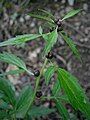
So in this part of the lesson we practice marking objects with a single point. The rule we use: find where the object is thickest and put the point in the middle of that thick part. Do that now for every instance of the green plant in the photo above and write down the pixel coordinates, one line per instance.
(12, 106)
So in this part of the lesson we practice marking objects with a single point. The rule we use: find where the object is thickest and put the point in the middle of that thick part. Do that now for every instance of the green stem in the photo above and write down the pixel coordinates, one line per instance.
(37, 84)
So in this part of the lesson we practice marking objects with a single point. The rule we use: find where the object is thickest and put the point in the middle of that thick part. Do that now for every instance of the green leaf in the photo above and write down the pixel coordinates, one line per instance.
(56, 88)
(40, 111)
(8, 90)
(71, 44)
(12, 59)
(47, 13)
(50, 39)
(23, 102)
(74, 92)
(12, 72)
(1, 95)
(56, 92)
(19, 39)
(48, 74)
(3, 115)
(62, 110)
(71, 14)
(41, 15)
(40, 30)
(4, 105)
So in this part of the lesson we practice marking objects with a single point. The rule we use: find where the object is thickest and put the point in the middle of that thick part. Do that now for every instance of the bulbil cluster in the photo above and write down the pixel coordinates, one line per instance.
(58, 22)
(49, 55)
(36, 73)
(38, 94)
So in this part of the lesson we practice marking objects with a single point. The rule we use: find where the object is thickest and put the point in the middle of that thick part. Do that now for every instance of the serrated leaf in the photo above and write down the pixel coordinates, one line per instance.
(56, 92)
(74, 92)
(71, 44)
(62, 110)
(41, 15)
(23, 102)
(40, 111)
(56, 88)
(49, 25)
(12, 72)
(50, 39)
(71, 14)
(12, 59)
(19, 39)
(8, 90)
(48, 74)
(47, 13)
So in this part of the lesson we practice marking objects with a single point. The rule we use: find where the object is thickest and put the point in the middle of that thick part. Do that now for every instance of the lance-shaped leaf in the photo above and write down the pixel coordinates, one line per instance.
(39, 111)
(41, 14)
(24, 101)
(8, 91)
(50, 39)
(71, 14)
(56, 88)
(62, 110)
(19, 39)
(48, 74)
(12, 72)
(74, 92)
(56, 92)
(71, 44)
(47, 13)
(12, 59)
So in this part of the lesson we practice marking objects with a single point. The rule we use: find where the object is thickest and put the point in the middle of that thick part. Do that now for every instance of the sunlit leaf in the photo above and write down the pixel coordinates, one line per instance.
(71, 44)
(19, 39)
(48, 74)
(12, 59)
(74, 92)
(23, 102)
(40, 111)
(8, 90)
(50, 39)
(71, 14)
(40, 30)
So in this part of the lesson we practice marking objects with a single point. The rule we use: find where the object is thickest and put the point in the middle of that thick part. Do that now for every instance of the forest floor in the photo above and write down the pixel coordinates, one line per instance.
(15, 21)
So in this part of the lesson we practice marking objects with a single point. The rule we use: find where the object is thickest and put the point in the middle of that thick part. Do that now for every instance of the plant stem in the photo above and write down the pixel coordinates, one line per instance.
(37, 84)
(41, 72)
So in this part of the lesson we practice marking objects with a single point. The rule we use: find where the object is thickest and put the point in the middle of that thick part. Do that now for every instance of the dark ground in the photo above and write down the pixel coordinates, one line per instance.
(15, 21)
